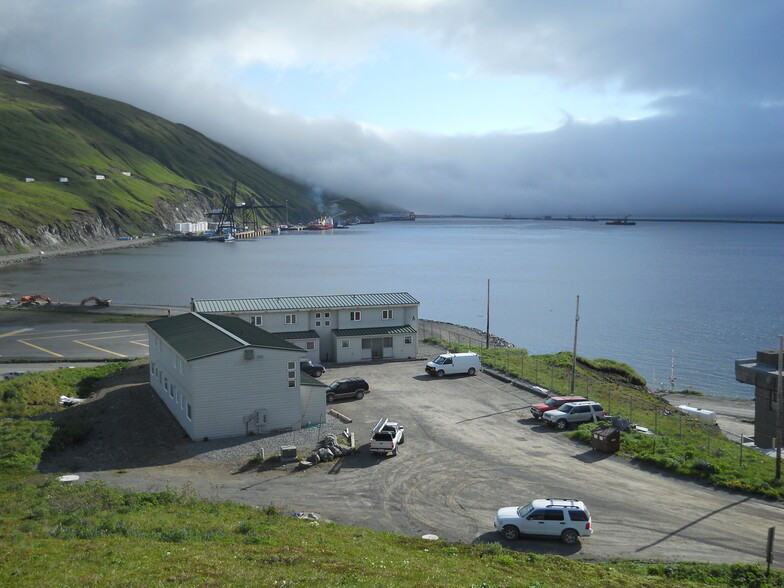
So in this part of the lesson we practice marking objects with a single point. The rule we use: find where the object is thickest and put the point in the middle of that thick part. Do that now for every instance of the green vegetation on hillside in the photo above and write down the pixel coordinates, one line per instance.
(48, 132)
(88, 533)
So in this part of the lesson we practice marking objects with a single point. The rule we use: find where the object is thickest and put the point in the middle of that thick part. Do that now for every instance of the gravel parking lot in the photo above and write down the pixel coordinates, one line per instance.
(471, 447)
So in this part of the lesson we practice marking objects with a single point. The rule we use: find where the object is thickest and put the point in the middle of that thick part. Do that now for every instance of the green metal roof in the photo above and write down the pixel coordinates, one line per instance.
(308, 380)
(305, 302)
(195, 335)
(405, 329)
(298, 335)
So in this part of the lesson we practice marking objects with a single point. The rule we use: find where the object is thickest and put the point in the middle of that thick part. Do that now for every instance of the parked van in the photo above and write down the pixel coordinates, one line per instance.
(454, 363)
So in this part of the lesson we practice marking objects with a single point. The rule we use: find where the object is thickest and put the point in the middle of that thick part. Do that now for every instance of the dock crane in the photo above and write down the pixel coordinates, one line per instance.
(232, 214)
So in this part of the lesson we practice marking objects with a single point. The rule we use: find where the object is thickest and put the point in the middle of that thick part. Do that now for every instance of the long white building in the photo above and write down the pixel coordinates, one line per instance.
(342, 328)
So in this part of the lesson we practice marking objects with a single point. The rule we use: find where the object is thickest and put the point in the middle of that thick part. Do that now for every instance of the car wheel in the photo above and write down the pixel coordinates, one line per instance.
(471, 371)
(569, 537)
(561, 425)
(317, 374)
(330, 398)
(440, 373)
(402, 439)
(394, 451)
(359, 395)
(511, 532)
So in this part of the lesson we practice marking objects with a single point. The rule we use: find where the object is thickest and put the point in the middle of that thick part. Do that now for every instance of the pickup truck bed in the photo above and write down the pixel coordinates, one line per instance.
(386, 437)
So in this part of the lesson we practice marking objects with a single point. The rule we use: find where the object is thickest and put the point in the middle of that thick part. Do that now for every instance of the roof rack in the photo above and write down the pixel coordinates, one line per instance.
(572, 500)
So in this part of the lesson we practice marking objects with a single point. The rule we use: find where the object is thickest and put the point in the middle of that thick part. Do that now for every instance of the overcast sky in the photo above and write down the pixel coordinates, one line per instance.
(666, 107)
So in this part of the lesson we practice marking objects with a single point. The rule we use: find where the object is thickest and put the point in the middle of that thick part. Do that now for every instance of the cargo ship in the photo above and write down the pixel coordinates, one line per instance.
(322, 223)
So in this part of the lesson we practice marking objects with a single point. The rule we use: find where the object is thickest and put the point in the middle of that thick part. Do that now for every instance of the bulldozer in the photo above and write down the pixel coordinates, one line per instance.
(98, 301)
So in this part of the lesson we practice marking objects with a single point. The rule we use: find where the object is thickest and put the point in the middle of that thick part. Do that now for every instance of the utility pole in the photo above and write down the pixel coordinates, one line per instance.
(574, 349)
(779, 408)
(487, 328)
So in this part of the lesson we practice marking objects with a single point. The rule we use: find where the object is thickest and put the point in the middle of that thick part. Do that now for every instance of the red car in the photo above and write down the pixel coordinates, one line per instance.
(553, 403)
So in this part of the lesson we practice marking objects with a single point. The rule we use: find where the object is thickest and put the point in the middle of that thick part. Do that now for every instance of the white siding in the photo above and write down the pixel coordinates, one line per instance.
(226, 390)
(231, 389)
(168, 369)
(313, 405)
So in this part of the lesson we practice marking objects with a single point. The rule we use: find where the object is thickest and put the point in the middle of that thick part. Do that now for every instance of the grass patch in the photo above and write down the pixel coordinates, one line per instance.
(76, 532)
(39, 392)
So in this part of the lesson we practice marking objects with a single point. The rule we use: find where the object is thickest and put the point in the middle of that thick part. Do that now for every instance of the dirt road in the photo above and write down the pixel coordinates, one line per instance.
(471, 447)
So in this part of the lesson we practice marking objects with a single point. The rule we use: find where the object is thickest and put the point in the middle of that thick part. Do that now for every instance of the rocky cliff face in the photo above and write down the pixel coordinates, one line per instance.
(88, 228)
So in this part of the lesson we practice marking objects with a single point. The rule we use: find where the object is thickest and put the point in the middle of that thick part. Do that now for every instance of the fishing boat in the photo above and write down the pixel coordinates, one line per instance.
(322, 223)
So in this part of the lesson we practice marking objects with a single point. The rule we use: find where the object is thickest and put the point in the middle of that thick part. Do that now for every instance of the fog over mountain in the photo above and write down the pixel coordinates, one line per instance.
(451, 107)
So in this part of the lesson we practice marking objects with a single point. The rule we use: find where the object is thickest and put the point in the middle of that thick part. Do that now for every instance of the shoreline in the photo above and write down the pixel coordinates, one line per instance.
(77, 250)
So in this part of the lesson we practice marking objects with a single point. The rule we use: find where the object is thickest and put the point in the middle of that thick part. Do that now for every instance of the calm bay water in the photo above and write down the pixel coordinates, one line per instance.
(703, 293)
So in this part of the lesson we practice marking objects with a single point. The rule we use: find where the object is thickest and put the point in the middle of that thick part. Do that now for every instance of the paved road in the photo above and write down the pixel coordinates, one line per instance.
(72, 341)
(471, 447)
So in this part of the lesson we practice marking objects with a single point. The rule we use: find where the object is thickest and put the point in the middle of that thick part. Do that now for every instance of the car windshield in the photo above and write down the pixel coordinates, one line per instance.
(334, 385)
(439, 360)
(551, 402)
(524, 511)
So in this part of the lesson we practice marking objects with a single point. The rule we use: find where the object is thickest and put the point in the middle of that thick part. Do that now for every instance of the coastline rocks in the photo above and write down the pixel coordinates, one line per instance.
(495, 341)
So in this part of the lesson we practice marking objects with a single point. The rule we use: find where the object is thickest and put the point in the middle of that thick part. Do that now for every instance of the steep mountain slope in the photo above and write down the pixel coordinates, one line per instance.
(155, 172)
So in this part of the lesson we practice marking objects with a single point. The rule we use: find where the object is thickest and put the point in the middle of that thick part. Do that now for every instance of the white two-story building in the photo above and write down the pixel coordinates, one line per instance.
(341, 328)
(223, 377)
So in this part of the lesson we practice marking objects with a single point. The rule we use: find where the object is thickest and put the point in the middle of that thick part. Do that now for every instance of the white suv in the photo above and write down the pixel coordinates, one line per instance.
(574, 412)
(566, 518)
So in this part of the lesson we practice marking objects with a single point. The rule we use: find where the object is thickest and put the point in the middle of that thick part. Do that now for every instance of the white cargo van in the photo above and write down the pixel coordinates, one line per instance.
(454, 363)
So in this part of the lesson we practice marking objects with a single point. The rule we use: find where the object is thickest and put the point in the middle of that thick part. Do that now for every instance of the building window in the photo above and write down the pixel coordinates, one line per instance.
(310, 345)
(386, 314)
(318, 315)
(291, 319)
(326, 315)
(326, 323)
(190, 416)
(356, 315)
(292, 374)
(257, 320)
(318, 323)
(345, 343)
(407, 340)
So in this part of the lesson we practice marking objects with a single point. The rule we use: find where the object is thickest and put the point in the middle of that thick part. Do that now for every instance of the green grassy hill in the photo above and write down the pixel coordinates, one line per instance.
(48, 132)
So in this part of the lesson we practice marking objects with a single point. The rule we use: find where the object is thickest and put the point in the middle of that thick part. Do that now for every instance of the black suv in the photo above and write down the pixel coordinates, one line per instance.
(347, 388)
(312, 369)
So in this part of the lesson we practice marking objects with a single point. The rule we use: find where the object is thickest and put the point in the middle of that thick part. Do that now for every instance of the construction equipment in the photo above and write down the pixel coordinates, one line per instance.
(34, 300)
(98, 301)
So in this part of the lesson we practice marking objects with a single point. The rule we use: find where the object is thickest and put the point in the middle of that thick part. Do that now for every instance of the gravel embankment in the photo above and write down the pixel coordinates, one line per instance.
(305, 440)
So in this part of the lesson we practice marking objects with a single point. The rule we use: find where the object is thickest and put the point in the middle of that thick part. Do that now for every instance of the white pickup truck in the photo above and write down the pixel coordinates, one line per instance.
(386, 437)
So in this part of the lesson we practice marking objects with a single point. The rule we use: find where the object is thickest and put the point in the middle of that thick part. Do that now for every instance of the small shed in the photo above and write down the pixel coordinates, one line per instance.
(606, 438)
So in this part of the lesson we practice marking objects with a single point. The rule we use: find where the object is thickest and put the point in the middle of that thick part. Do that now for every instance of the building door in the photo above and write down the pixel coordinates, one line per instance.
(377, 348)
